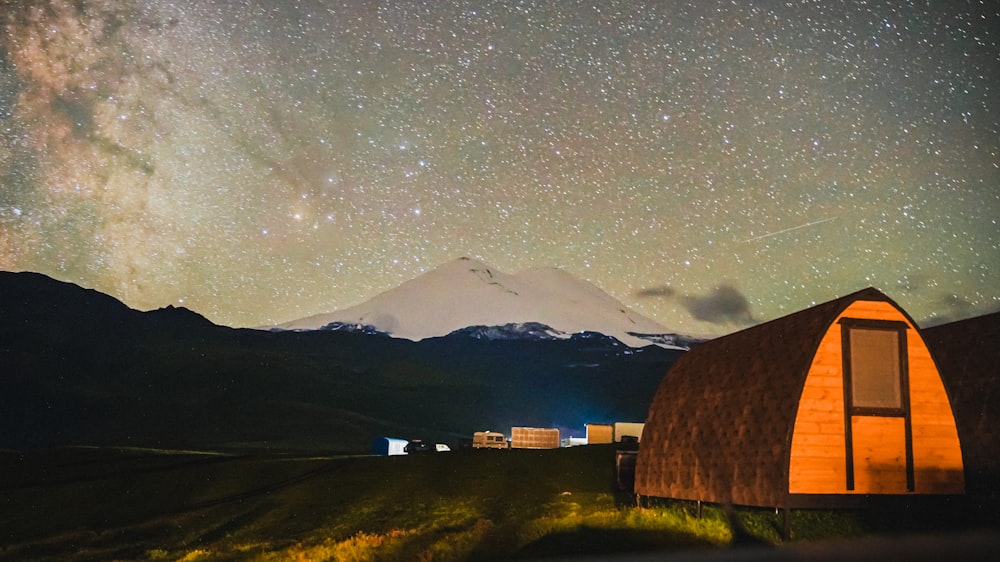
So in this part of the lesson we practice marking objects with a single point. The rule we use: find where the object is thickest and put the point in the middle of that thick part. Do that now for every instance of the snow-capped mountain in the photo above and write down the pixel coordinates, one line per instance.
(467, 293)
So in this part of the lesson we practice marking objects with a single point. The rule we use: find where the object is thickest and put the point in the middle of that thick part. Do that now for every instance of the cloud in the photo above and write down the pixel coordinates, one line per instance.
(952, 308)
(911, 283)
(661, 291)
(724, 305)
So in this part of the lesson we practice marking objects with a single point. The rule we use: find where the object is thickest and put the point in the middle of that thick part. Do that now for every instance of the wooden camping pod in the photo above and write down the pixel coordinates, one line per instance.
(967, 353)
(779, 415)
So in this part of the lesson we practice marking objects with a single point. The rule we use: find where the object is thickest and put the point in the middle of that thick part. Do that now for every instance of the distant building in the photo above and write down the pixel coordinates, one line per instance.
(534, 438)
(827, 406)
(598, 433)
(626, 430)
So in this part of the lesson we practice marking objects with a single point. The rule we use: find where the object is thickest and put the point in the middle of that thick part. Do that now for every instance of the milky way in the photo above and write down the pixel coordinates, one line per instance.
(711, 164)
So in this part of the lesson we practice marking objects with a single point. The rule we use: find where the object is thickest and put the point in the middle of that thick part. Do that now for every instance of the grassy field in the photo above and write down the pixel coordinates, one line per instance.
(116, 504)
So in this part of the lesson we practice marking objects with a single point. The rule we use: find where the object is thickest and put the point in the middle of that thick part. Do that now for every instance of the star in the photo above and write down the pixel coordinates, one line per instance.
(218, 153)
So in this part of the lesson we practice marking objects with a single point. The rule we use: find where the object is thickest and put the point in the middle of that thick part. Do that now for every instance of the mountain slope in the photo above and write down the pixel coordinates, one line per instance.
(80, 368)
(466, 292)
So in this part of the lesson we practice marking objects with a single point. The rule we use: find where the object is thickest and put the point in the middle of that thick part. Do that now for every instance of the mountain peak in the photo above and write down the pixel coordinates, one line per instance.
(466, 292)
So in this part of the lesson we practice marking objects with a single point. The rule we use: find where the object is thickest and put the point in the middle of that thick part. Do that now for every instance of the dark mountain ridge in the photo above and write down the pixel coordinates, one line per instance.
(78, 367)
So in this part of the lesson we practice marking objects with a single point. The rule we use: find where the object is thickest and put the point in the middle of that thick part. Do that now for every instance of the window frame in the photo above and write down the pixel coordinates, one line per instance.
(901, 368)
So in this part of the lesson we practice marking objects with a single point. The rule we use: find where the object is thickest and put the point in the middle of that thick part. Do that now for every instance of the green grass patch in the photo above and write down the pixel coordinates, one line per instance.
(476, 505)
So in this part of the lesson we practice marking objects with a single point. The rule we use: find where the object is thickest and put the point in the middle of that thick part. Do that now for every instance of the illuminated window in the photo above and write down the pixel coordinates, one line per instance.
(876, 380)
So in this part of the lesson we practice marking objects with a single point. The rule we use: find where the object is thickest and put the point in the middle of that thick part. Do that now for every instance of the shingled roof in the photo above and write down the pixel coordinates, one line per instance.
(720, 425)
(967, 353)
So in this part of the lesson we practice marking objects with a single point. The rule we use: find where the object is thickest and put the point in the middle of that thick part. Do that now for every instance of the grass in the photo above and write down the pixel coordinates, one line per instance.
(477, 505)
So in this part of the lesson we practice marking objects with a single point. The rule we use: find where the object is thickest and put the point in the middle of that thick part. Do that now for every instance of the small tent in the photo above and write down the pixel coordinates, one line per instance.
(819, 408)
(968, 354)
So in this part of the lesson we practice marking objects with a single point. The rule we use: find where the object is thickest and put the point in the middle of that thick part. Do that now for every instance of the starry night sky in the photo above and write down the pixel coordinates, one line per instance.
(710, 164)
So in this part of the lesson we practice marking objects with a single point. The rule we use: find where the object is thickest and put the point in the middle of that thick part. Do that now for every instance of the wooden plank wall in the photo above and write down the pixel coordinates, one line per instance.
(817, 462)
(879, 455)
(600, 433)
(534, 438)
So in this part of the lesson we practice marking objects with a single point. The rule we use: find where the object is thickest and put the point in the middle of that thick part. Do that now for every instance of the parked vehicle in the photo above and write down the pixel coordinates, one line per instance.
(441, 448)
(417, 446)
(389, 446)
(489, 440)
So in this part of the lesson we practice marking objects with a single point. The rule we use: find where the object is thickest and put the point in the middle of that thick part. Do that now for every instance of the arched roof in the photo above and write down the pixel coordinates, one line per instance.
(967, 353)
(719, 426)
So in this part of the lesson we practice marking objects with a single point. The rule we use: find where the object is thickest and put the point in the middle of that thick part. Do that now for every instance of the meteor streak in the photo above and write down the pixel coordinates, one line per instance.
(777, 232)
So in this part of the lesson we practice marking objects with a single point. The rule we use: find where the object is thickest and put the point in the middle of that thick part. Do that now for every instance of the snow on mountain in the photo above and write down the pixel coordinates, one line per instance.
(466, 292)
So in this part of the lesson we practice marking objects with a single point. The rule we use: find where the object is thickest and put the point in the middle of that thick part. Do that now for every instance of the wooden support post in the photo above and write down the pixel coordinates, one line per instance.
(698, 510)
(786, 531)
